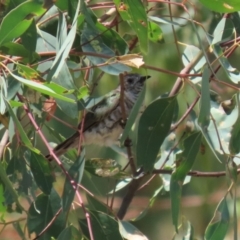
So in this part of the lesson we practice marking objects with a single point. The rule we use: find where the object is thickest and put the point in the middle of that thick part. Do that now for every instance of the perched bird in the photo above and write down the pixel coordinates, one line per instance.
(102, 122)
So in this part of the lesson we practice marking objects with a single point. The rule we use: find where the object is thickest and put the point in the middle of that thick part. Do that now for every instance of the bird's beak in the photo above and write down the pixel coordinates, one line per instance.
(144, 78)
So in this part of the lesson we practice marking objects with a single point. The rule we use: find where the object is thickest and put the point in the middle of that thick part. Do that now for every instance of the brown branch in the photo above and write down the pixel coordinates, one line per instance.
(195, 173)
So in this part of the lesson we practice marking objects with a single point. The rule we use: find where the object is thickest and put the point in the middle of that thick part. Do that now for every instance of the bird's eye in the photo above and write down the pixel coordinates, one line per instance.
(130, 80)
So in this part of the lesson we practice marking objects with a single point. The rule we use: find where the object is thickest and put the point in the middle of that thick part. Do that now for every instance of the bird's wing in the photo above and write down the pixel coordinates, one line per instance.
(102, 109)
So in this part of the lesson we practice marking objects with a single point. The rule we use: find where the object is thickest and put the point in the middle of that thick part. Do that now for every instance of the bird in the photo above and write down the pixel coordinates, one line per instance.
(103, 122)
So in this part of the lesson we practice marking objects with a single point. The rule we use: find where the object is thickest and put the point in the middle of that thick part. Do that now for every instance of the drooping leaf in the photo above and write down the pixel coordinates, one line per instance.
(70, 233)
(132, 116)
(191, 147)
(41, 171)
(129, 232)
(154, 126)
(65, 49)
(76, 172)
(50, 89)
(44, 209)
(22, 133)
(103, 226)
(217, 228)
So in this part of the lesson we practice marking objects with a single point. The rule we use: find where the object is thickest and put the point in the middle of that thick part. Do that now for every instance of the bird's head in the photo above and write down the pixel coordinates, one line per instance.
(134, 83)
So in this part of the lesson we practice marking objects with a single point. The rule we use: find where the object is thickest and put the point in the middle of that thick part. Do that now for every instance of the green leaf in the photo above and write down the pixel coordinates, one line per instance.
(41, 213)
(185, 231)
(223, 31)
(76, 172)
(2, 200)
(21, 131)
(97, 205)
(41, 171)
(191, 147)
(217, 228)
(204, 115)
(61, 31)
(133, 115)
(134, 13)
(222, 6)
(155, 33)
(234, 143)
(70, 233)
(129, 232)
(191, 53)
(63, 53)
(91, 41)
(232, 73)
(8, 188)
(16, 49)
(103, 226)
(50, 89)
(17, 21)
(154, 126)
(112, 39)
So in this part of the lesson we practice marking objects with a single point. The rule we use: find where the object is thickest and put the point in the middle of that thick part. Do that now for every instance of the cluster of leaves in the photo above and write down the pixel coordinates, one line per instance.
(45, 48)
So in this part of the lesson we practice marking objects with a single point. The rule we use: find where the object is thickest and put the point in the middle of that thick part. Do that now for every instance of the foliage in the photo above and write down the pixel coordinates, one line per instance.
(54, 54)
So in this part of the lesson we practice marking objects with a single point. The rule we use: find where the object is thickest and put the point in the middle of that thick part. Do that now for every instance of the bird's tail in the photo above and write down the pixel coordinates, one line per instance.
(63, 147)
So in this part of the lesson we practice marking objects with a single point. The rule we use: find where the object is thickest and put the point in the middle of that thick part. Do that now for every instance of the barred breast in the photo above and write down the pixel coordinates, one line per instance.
(107, 131)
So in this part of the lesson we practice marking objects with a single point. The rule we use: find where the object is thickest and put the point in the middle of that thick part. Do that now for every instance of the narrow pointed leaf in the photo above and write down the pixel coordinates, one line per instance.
(133, 115)
(103, 226)
(191, 148)
(65, 49)
(41, 171)
(76, 172)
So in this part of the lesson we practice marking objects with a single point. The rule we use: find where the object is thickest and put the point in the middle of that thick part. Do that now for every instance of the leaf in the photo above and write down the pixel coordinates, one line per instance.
(222, 6)
(185, 232)
(234, 143)
(191, 147)
(65, 49)
(50, 89)
(42, 211)
(76, 172)
(154, 126)
(16, 49)
(232, 73)
(41, 171)
(223, 31)
(130, 232)
(70, 233)
(97, 205)
(217, 228)
(155, 33)
(2, 200)
(103, 226)
(134, 13)
(191, 53)
(133, 114)
(204, 115)
(131, 60)
(122, 184)
(17, 21)
(22, 133)
(91, 41)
